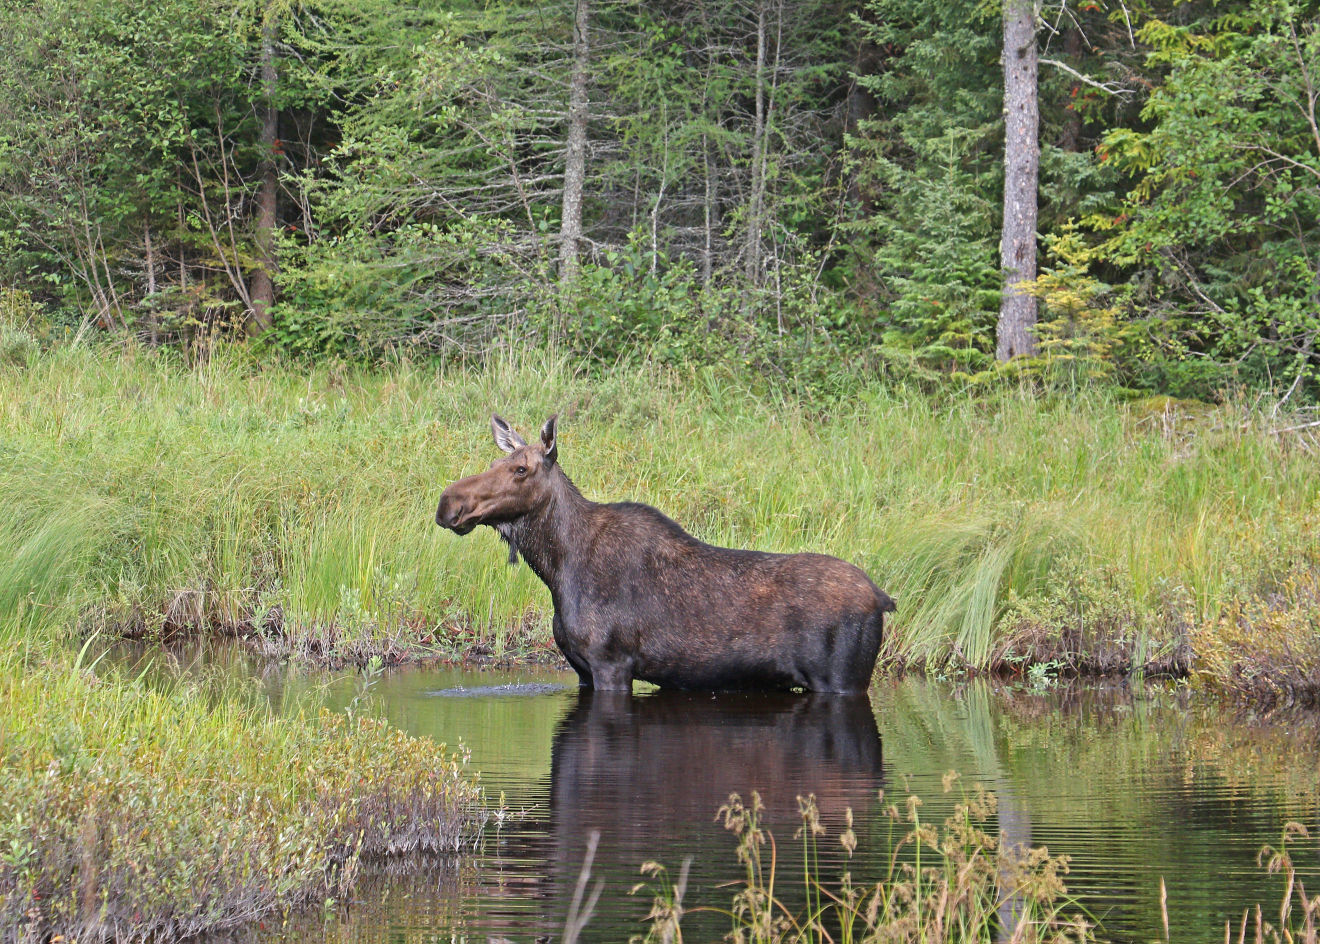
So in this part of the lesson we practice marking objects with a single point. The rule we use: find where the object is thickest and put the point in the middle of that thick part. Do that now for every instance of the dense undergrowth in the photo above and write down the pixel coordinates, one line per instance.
(294, 505)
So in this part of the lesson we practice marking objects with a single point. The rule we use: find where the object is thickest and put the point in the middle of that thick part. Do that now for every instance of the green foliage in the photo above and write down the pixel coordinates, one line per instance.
(130, 151)
(425, 233)
(16, 345)
(928, 164)
(433, 287)
(18, 318)
(437, 215)
(1219, 229)
(103, 104)
(795, 188)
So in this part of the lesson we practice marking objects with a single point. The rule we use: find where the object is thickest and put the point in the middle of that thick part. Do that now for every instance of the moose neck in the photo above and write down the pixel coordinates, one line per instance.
(546, 537)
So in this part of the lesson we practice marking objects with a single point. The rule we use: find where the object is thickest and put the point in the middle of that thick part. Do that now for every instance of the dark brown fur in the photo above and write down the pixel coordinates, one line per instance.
(637, 597)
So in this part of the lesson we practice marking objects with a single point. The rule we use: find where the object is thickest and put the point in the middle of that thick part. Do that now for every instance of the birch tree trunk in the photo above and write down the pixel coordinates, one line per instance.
(262, 283)
(150, 264)
(575, 158)
(1017, 310)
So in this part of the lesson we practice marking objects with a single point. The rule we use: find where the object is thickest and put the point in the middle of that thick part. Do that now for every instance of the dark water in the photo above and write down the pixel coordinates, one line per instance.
(1131, 788)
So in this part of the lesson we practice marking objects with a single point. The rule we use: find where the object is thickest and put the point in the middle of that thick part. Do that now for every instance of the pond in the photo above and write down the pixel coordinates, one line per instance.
(1133, 788)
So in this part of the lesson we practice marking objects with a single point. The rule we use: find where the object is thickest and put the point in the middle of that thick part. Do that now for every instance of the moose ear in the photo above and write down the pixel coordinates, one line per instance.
(548, 440)
(505, 437)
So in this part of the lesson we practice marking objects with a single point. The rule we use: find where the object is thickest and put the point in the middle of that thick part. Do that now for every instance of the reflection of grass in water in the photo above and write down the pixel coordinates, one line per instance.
(958, 883)
(519, 731)
(1299, 916)
(1152, 783)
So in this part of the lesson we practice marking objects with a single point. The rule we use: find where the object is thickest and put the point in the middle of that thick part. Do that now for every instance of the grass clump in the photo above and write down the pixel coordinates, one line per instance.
(1266, 643)
(956, 883)
(1298, 915)
(133, 812)
(1091, 621)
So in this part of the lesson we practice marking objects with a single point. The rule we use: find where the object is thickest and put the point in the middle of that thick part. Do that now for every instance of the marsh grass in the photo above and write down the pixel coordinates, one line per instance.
(955, 883)
(294, 506)
(135, 811)
(959, 883)
(1298, 915)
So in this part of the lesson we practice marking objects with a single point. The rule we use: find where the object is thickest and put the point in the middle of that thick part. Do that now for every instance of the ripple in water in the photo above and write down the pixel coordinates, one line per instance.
(1133, 790)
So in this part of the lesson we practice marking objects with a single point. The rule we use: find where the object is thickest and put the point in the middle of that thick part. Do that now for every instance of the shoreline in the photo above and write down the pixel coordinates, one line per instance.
(1265, 685)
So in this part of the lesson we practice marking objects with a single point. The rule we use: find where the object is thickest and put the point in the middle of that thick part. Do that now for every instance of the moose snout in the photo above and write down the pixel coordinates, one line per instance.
(450, 511)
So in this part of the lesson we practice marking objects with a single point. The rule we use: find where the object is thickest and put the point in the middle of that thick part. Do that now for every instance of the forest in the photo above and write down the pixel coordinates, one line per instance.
(807, 190)
(1013, 305)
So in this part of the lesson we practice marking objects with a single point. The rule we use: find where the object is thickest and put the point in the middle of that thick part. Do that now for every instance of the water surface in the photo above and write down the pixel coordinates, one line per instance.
(1133, 789)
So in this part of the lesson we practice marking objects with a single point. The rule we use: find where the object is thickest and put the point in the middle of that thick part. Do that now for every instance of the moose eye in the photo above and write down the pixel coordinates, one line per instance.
(521, 470)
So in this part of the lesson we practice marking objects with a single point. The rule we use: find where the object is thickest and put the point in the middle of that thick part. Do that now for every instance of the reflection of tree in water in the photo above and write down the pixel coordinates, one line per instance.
(1132, 788)
(938, 729)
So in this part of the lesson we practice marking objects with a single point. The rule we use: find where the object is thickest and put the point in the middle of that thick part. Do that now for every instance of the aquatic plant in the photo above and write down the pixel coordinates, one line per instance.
(957, 883)
(1298, 915)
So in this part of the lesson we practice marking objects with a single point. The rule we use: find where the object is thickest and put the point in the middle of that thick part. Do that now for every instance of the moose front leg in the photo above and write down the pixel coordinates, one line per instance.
(585, 678)
(612, 676)
(578, 663)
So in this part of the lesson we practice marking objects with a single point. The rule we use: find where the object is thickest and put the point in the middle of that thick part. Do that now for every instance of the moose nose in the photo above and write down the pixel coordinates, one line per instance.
(449, 512)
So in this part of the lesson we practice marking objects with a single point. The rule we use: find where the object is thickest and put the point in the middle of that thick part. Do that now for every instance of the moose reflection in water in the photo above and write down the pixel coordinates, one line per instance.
(649, 772)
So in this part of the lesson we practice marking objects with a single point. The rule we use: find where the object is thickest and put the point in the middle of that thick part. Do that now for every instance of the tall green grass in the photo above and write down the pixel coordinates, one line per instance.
(298, 502)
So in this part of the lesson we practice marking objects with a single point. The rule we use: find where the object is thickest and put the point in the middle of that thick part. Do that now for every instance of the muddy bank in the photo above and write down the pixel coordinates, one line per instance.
(1264, 650)
(1256, 676)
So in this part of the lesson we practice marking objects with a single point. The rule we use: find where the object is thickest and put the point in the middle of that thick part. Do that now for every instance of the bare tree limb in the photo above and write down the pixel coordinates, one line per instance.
(1109, 88)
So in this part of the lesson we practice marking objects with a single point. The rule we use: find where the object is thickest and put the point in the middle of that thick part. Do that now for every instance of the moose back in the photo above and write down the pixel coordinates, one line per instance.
(637, 597)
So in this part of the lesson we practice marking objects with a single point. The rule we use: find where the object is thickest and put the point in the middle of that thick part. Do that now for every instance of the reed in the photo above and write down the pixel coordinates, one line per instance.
(1298, 915)
(955, 883)
(294, 505)
(959, 883)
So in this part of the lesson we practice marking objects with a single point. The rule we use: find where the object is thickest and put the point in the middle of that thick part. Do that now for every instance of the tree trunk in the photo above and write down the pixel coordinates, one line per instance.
(575, 157)
(710, 199)
(261, 282)
(752, 259)
(861, 106)
(1014, 840)
(1071, 137)
(150, 264)
(1017, 310)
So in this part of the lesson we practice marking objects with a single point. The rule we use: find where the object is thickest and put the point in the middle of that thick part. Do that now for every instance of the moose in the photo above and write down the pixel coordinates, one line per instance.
(637, 597)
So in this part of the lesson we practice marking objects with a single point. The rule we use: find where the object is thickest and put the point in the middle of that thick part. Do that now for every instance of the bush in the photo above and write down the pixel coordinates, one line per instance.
(140, 814)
